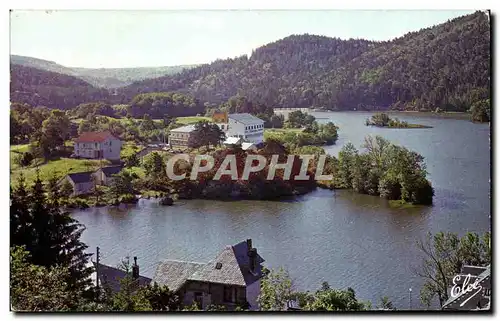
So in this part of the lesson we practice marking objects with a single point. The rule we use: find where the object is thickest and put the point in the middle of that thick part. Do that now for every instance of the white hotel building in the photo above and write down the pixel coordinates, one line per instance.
(245, 126)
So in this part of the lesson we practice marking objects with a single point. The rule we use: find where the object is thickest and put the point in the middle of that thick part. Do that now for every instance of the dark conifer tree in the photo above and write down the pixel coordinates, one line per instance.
(50, 235)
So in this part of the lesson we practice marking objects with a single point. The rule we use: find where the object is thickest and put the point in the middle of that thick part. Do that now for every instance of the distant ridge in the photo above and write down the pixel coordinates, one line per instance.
(444, 67)
(100, 77)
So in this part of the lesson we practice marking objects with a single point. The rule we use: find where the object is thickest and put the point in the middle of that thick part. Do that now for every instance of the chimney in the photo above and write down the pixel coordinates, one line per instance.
(135, 269)
(252, 255)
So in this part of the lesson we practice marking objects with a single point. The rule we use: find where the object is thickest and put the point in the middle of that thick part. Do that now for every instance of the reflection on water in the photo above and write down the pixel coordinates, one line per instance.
(341, 237)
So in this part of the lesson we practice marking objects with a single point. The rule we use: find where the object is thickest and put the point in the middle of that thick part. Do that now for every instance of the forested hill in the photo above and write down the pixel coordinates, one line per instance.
(445, 66)
(100, 77)
(38, 87)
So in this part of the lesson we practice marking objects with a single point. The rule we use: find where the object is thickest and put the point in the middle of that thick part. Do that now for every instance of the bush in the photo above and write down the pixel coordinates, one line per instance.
(127, 199)
(25, 159)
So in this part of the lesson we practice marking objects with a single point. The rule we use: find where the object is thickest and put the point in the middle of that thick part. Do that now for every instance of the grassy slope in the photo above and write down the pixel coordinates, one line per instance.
(59, 168)
(191, 119)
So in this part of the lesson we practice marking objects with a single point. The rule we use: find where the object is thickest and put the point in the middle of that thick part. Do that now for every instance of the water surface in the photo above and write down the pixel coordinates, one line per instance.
(340, 237)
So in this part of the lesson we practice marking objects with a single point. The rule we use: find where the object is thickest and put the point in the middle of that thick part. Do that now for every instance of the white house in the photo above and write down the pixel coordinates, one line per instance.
(246, 126)
(98, 145)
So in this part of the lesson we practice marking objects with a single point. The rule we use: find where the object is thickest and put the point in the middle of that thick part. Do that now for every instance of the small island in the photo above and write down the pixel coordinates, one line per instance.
(383, 120)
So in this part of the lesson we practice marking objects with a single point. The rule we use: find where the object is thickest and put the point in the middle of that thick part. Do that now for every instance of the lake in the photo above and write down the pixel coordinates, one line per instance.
(346, 239)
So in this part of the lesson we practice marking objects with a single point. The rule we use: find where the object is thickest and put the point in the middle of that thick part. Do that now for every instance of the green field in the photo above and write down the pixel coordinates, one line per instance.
(59, 168)
(191, 119)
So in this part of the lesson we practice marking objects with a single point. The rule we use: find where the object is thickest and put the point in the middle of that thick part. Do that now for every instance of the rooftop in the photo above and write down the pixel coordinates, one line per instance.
(246, 146)
(184, 129)
(93, 137)
(231, 266)
(111, 170)
(232, 140)
(174, 273)
(245, 118)
(82, 177)
(110, 277)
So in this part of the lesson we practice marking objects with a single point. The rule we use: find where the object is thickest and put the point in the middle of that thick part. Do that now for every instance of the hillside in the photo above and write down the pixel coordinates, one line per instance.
(38, 87)
(446, 66)
(100, 77)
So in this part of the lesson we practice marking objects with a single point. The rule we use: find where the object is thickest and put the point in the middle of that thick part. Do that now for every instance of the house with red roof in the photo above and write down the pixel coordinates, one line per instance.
(98, 145)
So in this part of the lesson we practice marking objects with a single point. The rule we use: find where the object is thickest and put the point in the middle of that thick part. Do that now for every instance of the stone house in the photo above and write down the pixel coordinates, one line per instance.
(232, 279)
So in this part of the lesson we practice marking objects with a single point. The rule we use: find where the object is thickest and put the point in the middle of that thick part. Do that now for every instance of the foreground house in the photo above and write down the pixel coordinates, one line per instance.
(82, 183)
(180, 137)
(232, 279)
(98, 145)
(478, 298)
(104, 175)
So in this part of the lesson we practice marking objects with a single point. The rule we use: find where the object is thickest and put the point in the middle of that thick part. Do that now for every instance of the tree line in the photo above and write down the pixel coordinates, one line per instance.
(446, 66)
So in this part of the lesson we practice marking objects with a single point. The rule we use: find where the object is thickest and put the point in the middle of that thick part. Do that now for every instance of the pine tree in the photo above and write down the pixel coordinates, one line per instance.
(49, 234)
(19, 220)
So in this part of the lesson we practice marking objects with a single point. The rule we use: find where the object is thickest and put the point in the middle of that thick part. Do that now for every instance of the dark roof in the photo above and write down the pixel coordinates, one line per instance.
(234, 269)
(110, 277)
(111, 170)
(174, 274)
(245, 118)
(241, 252)
(83, 177)
(231, 266)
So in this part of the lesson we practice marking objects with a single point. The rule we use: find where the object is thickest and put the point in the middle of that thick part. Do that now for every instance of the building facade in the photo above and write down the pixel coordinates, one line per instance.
(246, 126)
(104, 175)
(98, 145)
(180, 137)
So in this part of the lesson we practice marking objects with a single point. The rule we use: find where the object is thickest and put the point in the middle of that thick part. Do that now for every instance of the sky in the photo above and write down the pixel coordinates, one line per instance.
(116, 39)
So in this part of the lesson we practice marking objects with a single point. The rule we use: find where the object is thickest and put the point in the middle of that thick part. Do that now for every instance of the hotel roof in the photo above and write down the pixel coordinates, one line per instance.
(246, 118)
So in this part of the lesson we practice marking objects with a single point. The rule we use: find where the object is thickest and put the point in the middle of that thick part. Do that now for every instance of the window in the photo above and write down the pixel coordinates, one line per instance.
(109, 143)
(95, 145)
(229, 294)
